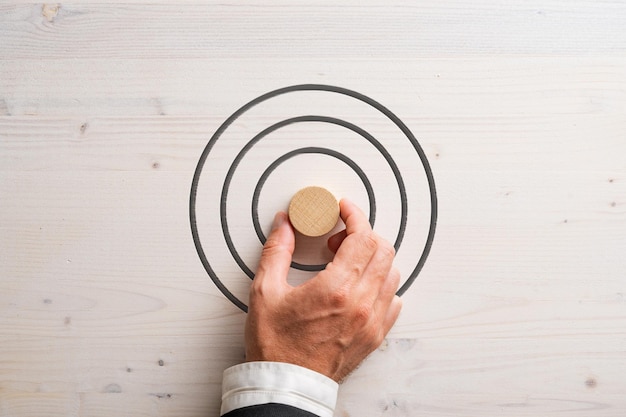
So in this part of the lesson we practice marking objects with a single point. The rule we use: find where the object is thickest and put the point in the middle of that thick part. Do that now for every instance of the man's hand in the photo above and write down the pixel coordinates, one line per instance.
(336, 319)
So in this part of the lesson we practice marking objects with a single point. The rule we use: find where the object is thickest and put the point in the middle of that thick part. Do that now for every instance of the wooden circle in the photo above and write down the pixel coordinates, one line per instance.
(313, 211)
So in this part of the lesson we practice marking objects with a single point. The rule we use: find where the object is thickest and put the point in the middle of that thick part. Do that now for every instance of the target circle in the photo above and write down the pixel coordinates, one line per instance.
(259, 187)
(224, 141)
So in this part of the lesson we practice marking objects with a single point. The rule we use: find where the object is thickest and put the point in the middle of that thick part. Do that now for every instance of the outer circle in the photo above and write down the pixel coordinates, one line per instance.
(311, 87)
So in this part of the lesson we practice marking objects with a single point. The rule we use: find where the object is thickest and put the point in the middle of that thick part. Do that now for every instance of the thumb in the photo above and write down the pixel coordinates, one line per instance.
(276, 256)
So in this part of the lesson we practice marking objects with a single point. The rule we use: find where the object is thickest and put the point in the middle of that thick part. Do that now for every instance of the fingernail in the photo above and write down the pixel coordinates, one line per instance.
(279, 219)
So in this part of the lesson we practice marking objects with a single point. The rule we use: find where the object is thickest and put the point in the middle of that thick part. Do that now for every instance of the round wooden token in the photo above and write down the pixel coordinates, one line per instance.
(313, 211)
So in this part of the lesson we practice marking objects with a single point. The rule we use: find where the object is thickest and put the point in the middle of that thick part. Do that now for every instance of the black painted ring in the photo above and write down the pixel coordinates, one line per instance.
(325, 151)
(310, 87)
(300, 119)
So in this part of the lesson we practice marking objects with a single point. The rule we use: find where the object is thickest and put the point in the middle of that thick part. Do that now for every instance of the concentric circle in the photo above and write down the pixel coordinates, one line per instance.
(212, 148)
(325, 151)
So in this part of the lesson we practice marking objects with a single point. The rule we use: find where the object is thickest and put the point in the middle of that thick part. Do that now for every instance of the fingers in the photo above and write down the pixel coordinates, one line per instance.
(358, 246)
(355, 222)
(377, 283)
(381, 262)
(276, 256)
(387, 292)
(336, 240)
(353, 217)
(391, 314)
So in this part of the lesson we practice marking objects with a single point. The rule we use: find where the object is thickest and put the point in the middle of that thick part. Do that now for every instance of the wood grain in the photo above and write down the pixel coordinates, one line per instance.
(318, 29)
(105, 308)
(313, 211)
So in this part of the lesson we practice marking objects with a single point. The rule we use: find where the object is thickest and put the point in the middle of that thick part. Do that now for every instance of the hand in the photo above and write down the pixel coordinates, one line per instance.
(336, 319)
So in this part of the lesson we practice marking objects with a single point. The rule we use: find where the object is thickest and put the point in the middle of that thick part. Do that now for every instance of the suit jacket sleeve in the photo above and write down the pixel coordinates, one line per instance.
(269, 410)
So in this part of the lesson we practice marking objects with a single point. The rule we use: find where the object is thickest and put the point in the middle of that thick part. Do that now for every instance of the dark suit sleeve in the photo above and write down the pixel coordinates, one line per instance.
(269, 410)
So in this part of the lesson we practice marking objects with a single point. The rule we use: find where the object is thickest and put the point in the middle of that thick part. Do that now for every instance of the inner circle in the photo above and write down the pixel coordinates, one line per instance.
(309, 150)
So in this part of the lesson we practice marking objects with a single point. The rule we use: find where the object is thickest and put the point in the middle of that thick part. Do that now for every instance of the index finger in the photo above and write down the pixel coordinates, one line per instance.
(358, 246)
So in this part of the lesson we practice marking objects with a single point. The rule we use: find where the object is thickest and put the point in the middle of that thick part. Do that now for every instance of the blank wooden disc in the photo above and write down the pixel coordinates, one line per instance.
(313, 211)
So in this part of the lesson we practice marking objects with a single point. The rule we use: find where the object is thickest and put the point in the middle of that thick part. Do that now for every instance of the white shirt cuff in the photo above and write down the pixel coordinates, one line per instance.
(254, 383)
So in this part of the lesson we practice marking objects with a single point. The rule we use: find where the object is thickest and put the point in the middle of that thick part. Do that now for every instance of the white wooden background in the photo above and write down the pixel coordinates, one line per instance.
(105, 308)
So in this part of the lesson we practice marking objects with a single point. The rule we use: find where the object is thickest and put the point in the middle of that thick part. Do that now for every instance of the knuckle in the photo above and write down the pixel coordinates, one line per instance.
(362, 314)
(271, 246)
(378, 338)
(374, 336)
(258, 290)
(357, 270)
(387, 249)
(339, 299)
(362, 241)
(394, 277)
(369, 241)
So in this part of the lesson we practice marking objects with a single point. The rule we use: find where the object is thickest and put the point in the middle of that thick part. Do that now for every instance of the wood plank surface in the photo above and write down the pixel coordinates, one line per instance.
(520, 107)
